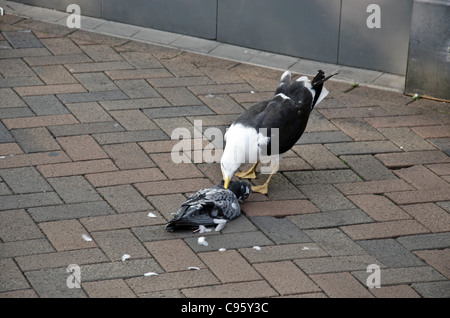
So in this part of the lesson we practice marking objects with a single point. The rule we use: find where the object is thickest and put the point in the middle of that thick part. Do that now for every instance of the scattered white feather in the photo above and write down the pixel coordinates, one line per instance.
(151, 274)
(222, 249)
(194, 268)
(125, 257)
(203, 229)
(151, 215)
(86, 238)
(220, 224)
(201, 241)
(257, 248)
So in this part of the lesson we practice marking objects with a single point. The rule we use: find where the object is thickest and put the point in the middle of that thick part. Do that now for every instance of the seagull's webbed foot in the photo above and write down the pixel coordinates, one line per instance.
(250, 174)
(263, 189)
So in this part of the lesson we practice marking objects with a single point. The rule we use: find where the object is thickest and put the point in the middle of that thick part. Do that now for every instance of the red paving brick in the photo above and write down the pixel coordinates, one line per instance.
(371, 167)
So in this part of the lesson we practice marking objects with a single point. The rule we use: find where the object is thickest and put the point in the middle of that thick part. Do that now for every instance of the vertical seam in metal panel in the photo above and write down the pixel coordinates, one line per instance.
(217, 18)
(339, 34)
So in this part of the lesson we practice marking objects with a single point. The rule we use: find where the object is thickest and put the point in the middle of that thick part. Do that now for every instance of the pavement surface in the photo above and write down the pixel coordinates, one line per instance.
(87, 181)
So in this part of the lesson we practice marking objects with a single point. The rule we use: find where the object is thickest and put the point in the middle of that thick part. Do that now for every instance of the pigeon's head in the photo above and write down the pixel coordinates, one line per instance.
(241, 189)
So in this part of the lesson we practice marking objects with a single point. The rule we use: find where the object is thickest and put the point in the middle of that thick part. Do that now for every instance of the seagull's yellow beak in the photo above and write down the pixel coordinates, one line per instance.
(226, 181)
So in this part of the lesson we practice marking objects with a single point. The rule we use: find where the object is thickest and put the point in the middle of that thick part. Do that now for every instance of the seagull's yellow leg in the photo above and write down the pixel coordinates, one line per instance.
(249, 174)
(264, 189)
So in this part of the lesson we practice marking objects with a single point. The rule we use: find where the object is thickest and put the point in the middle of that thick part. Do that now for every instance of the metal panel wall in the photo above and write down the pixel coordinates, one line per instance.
(429, 50)
(302, 28)
(382, 49)
(191, 17)
(91, 8)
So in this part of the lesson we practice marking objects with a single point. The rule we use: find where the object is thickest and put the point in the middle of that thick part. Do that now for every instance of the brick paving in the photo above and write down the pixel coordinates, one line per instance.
(85, 140)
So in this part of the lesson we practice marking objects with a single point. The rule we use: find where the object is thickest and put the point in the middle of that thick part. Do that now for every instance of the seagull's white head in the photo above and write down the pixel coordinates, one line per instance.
(228, 167)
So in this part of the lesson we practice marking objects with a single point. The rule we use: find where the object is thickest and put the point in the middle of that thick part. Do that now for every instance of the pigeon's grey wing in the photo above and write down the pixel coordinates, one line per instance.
(200, 195)
(226, 204)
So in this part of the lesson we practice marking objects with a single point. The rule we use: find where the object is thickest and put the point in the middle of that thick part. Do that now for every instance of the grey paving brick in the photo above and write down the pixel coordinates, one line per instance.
(125, 199)
(45, 105)
(322, 137)
(22, 39)
(368, 167)
(92, 96)
(177, 111)
(74, 189)
(179, 96)
(13, 113)
(141, 103)
(403, 275)
(57, 59)
(157, 232)
(229, 241)
(281, 231)
(141, 60)
(335, 242)
(391, 253)
(441, 143)
(326, 197)
(70, 211)
(25, 180)
(61, 259)
(137, 88)
(119, 242)
(89, 112)
(54, 74)
(52, 283)
(35, 139)
(11, 278)
(433, 289)
(5, 135)
(282, 252)
(17, 225)
(336, 263)
(362, 147)
(96, 82)
(85, 129)
(112, 270)
(26, 247)
(321, 176)
(27, 200)
(169, 281)
(425, 241)
(405, 138)
(97, 66)
(20, 81)
(319, 157)
(130, 136)
(9, 98)
(101, 53)
(330, 219)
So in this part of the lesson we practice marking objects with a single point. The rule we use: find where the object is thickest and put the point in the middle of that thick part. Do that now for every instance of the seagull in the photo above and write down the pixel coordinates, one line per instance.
(271, 127)
(213, 206)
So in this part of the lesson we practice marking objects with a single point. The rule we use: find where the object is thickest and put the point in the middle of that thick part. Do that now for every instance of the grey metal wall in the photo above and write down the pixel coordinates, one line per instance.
(333, 31)
(383, 49)
(429, 50)
(302, 28)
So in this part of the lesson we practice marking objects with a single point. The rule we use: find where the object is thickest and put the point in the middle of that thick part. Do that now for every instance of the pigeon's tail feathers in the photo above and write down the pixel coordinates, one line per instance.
(285, 84)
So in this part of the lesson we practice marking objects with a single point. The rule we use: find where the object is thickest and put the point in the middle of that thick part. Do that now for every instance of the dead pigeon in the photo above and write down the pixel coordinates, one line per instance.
(213, 206)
